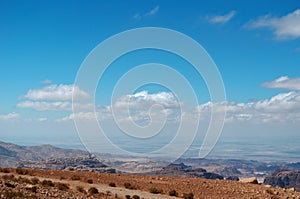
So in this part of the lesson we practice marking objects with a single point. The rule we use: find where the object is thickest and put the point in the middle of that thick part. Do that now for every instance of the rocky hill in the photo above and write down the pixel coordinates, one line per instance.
(284, 178)
(11, 154)
(182, 170)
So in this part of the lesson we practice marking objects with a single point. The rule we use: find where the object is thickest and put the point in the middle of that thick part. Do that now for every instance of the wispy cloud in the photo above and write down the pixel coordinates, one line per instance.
(10, 116)
(284, 82)
(46, 81)
(284, 27)
(42, 119)
(153, 11)
(102, 113)
(222, 19)
(139, 16)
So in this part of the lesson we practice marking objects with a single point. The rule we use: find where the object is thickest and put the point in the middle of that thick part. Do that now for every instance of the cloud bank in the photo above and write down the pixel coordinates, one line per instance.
(144, 107)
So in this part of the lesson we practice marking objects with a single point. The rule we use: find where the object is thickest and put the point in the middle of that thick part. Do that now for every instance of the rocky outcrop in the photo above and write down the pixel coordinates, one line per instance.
(228, 171)
(83, 163)
(249, 180)
(284, 178)
(182, 170)
(232, 178)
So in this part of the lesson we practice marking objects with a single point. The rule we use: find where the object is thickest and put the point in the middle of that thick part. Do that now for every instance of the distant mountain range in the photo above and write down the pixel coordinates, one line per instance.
(50, 157)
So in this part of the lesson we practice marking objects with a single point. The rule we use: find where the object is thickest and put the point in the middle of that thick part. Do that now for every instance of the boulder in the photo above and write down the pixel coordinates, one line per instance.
(249, 180)
(233, 178)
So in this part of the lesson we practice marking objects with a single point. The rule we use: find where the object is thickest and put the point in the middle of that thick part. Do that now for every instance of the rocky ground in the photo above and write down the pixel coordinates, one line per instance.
(28, 183)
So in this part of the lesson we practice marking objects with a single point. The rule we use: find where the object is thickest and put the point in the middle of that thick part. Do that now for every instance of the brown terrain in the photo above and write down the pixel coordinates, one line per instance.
(30, 183)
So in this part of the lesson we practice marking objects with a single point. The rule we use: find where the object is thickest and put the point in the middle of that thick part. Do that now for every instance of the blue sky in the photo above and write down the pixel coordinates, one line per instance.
(255, 45)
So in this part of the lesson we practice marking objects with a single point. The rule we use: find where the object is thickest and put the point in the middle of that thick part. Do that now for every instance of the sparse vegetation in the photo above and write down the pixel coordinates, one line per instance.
(127, 185)
(24, 180)
(22, 171)
(34, 189)
(155, 190)
(8, 177)
(270, 191)
(37, 187)
(90, 181)
(9, 185)
(48, 183)
(93, 190)
(127, 196)
(75, 177)
(35, 180)
(80, 189)
(188, 195)
(173, 193)
(135, 197)
(62, 186)
(112, 184)
(4, 170)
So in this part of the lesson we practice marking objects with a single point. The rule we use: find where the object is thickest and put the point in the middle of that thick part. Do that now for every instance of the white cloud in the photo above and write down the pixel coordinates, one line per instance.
(55, 98)
(222, 18)
(153, 11)
(285, 27)
(10, 116)
(284, 82)
(283, 107)
(281, 103)
(145, 100)
(56, 92)
(141, 107)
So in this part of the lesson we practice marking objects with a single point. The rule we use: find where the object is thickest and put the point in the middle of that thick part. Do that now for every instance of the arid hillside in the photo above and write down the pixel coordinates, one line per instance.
(28, 183)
